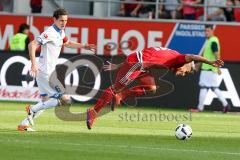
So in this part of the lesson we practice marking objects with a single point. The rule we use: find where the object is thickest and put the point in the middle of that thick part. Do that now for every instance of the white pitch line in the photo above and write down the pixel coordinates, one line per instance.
(128, 147)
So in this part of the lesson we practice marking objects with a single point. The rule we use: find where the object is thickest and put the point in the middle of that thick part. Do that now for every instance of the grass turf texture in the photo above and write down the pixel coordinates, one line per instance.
(215, 136)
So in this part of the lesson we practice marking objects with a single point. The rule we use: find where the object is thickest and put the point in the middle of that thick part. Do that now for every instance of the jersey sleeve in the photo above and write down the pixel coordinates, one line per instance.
(44, 38)
(181, 59)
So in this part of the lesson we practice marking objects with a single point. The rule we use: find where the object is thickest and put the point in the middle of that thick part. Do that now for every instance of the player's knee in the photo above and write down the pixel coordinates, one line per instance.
(153, 88)
(65, 101)
(114, 89)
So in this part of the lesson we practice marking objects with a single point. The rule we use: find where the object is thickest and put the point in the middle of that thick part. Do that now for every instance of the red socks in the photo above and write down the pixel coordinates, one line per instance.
(104, 99)
(108, 94)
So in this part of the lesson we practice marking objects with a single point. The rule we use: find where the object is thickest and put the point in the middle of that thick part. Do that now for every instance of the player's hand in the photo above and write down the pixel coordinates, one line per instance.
(217, 63)
(110, 66)
(90, 47)
(34, 71)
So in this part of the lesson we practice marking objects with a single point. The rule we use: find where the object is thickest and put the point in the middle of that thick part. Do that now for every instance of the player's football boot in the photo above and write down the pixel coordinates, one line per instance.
(25, 128)
(91, 117)
(116, 100)
(30, 114)
(226, 109)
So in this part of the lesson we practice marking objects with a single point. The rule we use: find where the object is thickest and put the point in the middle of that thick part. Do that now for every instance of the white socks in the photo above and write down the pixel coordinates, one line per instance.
(40, 107)
(38, 113)
(52, 102)
(25, 122)
(37, 107)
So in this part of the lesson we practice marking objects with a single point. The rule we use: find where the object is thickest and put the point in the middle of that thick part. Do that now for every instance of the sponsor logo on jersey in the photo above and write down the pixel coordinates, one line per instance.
(45, 36)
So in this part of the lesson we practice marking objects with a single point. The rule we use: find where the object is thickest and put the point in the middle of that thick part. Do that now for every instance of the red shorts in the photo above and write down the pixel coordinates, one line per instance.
(129, 72)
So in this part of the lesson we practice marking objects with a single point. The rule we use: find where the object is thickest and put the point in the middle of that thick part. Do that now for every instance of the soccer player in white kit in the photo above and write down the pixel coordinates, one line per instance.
(51, 42)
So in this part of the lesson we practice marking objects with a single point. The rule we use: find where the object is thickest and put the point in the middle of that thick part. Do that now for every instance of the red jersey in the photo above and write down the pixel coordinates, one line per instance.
(158, 57)
(129, 7)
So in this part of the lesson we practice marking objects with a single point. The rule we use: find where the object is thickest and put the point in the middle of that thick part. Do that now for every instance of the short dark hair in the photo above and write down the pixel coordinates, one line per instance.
(59, 12)
(22, 27)
(208, 26)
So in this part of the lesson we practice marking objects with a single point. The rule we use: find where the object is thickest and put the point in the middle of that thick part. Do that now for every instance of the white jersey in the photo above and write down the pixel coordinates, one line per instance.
(51, 41)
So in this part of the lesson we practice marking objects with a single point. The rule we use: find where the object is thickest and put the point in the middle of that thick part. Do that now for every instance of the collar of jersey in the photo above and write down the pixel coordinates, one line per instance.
(57, 29)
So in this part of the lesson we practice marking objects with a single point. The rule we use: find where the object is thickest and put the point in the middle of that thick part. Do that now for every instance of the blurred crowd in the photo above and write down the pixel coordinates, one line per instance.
(217, 10)
(35, 5)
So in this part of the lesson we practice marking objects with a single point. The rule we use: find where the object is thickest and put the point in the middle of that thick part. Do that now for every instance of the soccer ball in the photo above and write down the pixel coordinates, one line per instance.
(183, 132)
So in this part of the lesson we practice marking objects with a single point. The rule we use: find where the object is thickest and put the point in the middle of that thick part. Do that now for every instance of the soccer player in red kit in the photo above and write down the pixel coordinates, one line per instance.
(136, 66)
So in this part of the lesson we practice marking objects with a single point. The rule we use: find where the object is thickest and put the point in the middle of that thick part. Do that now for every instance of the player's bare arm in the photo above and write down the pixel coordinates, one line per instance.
(190, 58)
(32, 47)
(71, 44)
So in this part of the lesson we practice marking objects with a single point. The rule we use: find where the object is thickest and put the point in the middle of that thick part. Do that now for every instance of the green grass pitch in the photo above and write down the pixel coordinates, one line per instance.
(215, 136)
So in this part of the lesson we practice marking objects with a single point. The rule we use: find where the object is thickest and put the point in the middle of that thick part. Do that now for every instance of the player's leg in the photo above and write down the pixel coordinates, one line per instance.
(202, 97)
(35, 110)
(209, 80)
(122, 80)
(147, 85)
(215, 88)
(26, 124)
(103, 100)
(28, 121)
(45, 91)
(125, 76)
(204, 83)
(32, 113)
(52, 102)
(47, 102)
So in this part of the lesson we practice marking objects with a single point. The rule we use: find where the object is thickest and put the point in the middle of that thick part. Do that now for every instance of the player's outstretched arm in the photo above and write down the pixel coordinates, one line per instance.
(32, 47)
(86, 46)
(190, 58)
